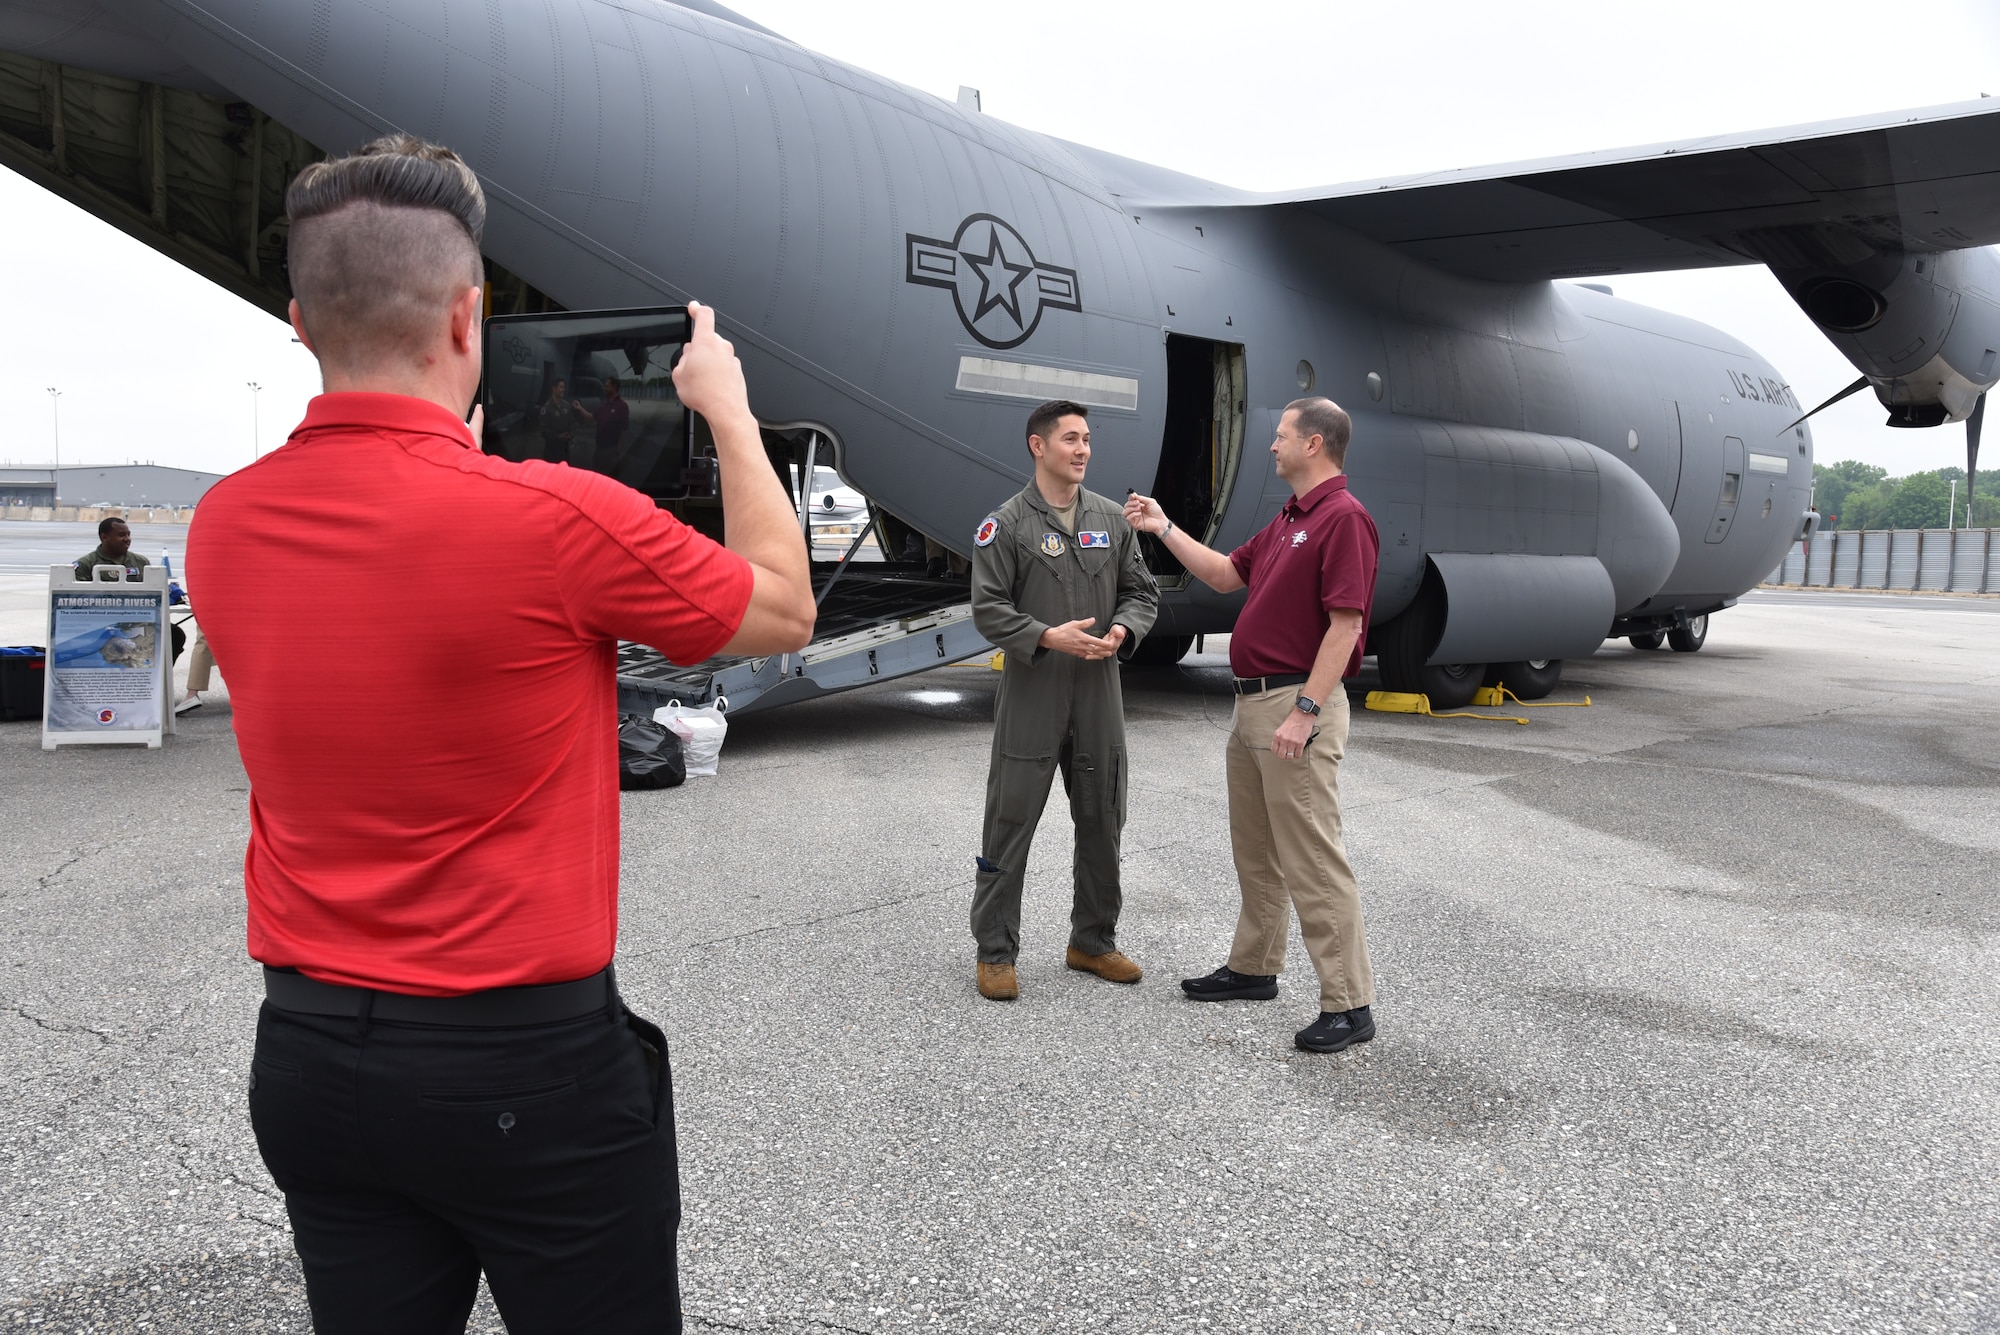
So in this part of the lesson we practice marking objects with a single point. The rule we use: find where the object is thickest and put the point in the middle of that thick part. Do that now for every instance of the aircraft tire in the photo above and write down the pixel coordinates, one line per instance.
(1400, 648)
(1650, 640)
(1162, 650)
(1452, 685)
(1530, 680)
(1689, 638)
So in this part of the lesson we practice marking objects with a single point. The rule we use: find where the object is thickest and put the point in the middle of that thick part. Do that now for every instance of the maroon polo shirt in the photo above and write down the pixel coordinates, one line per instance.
(1316, 556)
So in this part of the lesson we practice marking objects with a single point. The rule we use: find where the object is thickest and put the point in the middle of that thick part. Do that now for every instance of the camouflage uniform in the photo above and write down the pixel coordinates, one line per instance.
(1055, 711)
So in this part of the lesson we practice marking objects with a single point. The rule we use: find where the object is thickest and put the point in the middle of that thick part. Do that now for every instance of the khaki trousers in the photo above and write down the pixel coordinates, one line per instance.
(1284, 825)
(201, 664)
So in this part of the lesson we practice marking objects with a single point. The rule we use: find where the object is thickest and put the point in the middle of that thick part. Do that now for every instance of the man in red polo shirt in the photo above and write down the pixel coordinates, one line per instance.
(446, 1080)
(1311, 576)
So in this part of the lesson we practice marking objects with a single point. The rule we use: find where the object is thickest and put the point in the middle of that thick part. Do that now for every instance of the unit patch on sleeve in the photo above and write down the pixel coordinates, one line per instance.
(1095, 537)
(1052, 544)
(984, 536)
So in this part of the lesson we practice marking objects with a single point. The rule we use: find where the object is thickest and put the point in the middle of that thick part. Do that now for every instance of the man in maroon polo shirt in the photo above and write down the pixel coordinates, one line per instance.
(446, 1080)
(1311, 576)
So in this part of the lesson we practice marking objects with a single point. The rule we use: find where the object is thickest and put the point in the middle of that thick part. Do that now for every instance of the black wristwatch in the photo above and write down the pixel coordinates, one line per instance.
(1307, 705)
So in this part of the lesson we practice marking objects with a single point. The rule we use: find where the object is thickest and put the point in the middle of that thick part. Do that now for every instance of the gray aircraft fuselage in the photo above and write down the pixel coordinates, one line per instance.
(911, 276)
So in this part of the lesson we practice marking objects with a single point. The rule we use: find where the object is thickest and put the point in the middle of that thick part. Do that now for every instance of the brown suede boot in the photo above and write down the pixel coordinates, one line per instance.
(997, 982)
(1112, 966)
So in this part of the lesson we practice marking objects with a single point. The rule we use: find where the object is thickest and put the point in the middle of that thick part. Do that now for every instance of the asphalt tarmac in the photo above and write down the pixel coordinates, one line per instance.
(1686, 1010)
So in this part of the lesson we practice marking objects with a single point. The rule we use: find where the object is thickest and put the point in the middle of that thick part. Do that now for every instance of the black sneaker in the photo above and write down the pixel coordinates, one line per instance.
(1335, 1031)
(1225, 984)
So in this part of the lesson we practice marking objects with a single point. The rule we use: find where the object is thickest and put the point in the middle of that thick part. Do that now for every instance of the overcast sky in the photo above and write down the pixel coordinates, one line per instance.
(153, 362)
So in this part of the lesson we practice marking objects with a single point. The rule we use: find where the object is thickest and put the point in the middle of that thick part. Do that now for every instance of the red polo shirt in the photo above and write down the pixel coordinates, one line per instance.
(419, 641)
(1316, 556)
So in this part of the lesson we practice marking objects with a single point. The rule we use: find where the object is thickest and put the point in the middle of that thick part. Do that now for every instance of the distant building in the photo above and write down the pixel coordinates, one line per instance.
(107, 484)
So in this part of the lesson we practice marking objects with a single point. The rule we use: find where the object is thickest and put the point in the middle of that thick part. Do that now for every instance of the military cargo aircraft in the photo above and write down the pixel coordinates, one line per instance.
(904, 276)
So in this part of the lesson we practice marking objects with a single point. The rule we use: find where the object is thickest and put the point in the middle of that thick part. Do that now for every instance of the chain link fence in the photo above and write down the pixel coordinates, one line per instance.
(1965, 560)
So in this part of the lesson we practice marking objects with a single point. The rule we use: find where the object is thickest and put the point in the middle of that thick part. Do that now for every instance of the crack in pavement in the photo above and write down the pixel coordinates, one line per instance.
(47, 880)
(806, 922)
(822, 1324)
(55, 1026)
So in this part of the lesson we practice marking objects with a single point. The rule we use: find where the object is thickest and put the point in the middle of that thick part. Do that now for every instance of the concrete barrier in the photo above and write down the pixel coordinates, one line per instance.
(91, 514)
(1965, 560)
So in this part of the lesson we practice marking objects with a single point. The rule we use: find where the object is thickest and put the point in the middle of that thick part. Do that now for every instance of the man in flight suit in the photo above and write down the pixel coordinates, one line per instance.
(1058, 583)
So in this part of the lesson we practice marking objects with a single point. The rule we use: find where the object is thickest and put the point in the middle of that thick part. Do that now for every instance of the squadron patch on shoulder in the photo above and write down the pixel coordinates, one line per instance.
(987, 531)
(1095, 537)
(1052, 544)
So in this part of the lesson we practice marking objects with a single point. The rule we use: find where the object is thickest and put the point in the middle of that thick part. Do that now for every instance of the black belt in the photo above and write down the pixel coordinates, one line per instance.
(1256, 685)
(499, 1008)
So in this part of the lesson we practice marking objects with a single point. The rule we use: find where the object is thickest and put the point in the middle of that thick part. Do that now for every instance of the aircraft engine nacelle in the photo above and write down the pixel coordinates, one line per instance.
(1923, 327)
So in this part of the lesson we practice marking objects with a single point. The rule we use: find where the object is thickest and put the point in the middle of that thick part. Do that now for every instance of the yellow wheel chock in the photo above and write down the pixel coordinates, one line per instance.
(1400, 702)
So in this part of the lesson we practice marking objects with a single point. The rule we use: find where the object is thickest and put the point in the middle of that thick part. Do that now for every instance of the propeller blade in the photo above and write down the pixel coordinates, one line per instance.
(1854, 388)
(1972, 422)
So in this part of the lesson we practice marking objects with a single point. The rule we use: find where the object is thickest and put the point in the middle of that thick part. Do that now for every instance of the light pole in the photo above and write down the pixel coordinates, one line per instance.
(256, 444)
(55, 412)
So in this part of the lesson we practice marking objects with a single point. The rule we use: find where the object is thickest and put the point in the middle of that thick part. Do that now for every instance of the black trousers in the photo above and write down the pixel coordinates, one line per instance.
(412, 1157)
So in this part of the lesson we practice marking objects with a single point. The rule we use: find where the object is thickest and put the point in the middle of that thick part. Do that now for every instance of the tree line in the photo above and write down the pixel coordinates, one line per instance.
(1857, 495)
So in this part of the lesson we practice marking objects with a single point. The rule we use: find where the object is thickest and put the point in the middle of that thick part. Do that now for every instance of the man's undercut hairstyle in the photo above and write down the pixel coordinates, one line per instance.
(382, 242)
(1327, 420)
(1042, 421)
(104, 526)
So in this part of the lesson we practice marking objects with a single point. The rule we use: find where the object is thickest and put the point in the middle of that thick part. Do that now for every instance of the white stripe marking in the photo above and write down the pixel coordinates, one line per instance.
(1022, 380)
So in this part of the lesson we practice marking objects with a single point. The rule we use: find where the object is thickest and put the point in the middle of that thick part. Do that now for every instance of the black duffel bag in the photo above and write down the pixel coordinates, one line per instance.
(649, 756)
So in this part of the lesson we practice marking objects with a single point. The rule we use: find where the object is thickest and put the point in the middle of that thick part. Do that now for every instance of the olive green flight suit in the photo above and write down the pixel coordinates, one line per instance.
(86, 566)
(1055, 711)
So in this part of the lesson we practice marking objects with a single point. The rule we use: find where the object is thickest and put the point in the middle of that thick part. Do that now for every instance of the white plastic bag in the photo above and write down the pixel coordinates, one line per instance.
(701, 732)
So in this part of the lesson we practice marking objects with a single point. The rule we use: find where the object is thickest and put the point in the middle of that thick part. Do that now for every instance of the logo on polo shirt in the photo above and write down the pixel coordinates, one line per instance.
(1299, 538)
(1093, 538)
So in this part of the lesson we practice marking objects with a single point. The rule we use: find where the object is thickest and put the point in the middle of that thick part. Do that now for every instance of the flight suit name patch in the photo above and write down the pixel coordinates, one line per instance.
(1052, 544)
(1093, 538)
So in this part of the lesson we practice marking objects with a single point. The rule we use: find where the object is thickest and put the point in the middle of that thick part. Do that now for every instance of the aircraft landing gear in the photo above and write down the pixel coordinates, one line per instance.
(1530, 680)
(1401, 646)
(1650, 640)
(1689, 638)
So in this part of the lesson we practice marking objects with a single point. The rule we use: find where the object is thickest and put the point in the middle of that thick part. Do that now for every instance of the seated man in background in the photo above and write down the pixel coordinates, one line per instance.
(114, 548)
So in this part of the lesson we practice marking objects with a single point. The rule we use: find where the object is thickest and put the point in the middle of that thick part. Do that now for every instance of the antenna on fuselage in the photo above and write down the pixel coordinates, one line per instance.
(1854, 388)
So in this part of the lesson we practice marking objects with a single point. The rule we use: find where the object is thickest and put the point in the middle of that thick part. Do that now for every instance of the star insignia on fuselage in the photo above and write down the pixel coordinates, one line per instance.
(997, 289)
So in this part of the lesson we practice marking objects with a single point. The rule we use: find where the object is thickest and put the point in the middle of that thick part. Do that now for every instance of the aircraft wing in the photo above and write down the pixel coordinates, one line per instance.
(1914, 180)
